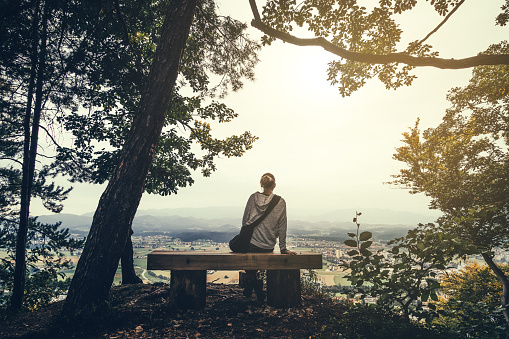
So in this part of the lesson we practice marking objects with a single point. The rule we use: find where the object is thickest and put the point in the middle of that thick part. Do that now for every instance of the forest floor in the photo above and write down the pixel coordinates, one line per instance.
(141, 311)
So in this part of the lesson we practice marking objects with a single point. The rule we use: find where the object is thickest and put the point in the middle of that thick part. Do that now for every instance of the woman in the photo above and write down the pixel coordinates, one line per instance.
(265, 234)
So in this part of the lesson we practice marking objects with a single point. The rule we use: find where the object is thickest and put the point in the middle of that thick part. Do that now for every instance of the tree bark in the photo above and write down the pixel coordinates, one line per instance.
(118, 204)
(126, 261)
(504, 299)
(478, 60)
(38, 60)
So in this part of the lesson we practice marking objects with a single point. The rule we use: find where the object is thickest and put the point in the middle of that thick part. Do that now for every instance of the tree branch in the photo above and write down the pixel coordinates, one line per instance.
(443, 22)
(478, 60)
(197, 136)
(503, 279)
(11, 159)
(49, 135)
(45, 156)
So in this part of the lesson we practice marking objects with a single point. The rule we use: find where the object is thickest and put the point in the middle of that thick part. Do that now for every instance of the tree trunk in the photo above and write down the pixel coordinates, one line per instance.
(29, 155)
(504, 299)
(126, 261)
(113, 218)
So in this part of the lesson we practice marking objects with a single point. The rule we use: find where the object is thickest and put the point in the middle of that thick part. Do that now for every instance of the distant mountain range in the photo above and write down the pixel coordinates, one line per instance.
(222, 223)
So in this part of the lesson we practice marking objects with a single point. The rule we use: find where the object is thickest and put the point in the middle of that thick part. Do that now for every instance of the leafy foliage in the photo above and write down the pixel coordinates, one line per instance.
(472, 303)
(462, 163)
(217, 46)
(373, 321)
(45, 261)
(98, 56)
(310, 286)
(406, 276)
(18, 20)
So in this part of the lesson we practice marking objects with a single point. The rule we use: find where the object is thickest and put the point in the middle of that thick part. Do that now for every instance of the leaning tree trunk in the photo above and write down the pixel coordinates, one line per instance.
(126, 261)
(504, 299)
(113, 218)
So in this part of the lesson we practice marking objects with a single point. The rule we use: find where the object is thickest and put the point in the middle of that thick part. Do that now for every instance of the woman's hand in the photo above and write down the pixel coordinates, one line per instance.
(289, 252)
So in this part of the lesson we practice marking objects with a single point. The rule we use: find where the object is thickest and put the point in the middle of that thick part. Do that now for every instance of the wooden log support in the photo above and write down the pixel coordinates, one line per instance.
(188, 289)
(283, 288)
(242, 279)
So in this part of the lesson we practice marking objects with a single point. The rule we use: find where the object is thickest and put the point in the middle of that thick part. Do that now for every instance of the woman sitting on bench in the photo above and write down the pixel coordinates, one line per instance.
(264, 237)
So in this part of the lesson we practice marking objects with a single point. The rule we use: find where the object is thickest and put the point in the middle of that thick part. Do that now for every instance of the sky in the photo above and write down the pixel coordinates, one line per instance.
(326, 152)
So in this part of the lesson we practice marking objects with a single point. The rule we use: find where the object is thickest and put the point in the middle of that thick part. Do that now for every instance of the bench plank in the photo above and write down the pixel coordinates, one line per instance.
(186, 260)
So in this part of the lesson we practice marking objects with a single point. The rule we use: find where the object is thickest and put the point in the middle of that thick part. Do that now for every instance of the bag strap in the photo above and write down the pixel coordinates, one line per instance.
(270, 207)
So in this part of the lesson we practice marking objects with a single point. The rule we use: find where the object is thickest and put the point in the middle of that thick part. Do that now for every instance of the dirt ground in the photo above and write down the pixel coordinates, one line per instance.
(141, 311)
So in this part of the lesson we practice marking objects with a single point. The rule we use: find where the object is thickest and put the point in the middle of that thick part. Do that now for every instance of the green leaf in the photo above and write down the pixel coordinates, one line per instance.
(365, 252)
(424, 296)
(434, 296)
(352, 253)
(440, 236)
(366, 244)
(365, 236)
(353, 235)
(351, 243)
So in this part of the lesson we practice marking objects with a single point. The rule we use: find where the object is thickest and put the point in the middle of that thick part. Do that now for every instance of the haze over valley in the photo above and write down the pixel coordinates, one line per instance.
(222, 223)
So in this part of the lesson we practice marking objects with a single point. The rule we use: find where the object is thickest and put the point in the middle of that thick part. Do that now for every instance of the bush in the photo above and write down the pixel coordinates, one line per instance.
(372, 321)
(310, 286)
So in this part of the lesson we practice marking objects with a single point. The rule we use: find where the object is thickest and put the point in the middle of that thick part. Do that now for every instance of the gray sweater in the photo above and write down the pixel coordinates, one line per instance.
(272, 227)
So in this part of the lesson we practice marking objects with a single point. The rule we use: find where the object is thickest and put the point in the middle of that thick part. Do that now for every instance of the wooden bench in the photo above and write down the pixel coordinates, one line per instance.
(189, 273)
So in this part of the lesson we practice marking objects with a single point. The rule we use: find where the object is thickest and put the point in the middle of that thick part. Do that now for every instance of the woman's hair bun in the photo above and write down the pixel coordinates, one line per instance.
(268, 181)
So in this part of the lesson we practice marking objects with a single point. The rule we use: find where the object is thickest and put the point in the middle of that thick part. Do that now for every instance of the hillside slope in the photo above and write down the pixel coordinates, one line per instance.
(141, 311)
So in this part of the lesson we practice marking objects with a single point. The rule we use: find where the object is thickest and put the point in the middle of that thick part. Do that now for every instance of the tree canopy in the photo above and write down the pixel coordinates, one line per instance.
(463, 164)
(217, 46)
(365, 38)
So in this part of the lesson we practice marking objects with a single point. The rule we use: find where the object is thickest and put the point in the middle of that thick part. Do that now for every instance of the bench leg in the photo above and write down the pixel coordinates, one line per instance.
(242, 279)
(283, 288)
(188, 289)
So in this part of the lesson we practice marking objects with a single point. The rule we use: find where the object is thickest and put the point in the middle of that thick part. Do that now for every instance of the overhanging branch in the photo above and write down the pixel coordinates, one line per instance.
(478, 60)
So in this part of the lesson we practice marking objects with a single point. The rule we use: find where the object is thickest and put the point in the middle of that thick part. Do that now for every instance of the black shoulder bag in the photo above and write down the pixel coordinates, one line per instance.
(240, 243)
